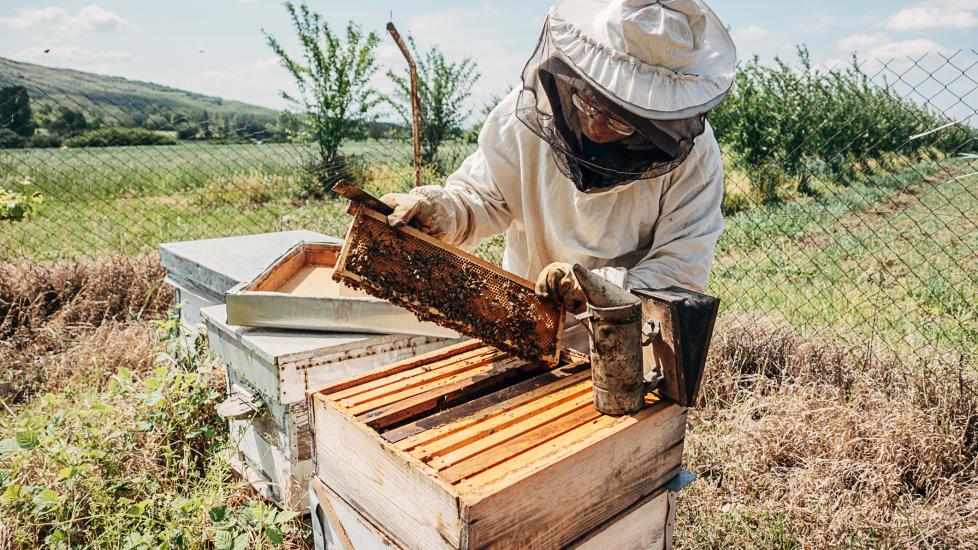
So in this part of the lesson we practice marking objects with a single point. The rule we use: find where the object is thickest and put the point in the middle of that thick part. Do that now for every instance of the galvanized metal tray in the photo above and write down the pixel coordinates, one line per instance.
(297, 291)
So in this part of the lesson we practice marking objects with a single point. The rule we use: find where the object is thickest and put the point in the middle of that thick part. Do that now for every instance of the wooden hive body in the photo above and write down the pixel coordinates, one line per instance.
(469, 447)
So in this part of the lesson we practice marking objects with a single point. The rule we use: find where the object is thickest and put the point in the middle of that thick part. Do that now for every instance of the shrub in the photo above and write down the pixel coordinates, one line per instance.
(789, 123)
(140, 464)
(116, 137)
(45, 141)
(17, 206)
(10, 139)
(333, 77)
(444, 87)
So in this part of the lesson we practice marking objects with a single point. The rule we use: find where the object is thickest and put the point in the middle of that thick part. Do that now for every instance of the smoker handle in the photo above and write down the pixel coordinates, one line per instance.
(652, 331)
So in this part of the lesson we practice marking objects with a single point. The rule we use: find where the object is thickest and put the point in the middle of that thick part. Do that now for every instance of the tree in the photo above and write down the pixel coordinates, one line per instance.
(68, 123)
(443, 89)
(333, 76)
(15, 111)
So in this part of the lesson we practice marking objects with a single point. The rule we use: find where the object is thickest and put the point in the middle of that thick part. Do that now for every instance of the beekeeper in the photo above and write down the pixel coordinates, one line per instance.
(603, 157)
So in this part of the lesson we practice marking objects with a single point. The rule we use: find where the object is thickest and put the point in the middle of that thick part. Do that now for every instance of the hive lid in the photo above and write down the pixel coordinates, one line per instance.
(217, 265)
(297, 291)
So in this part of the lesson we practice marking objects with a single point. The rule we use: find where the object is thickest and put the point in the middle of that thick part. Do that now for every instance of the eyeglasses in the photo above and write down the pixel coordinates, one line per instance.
(589, 110)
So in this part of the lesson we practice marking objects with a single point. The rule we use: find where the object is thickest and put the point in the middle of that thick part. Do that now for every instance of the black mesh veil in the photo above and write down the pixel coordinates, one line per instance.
(546, 108)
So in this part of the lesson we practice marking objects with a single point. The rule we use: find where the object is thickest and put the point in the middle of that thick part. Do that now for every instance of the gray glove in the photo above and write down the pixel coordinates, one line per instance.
(557, 282)
(414, 209)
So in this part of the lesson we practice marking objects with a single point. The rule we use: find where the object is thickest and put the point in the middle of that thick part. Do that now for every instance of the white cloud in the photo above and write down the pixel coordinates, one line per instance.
(89, 19)
(948, 14)
(752, 32)
(906, 48)
(29, 18)
(860, 42)
(882, 47)
(96, 19)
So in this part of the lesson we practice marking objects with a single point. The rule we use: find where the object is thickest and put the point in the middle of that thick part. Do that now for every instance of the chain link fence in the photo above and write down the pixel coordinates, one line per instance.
(851, 204)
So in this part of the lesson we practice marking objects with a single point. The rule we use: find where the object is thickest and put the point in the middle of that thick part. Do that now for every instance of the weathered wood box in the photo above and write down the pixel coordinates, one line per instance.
(269, 373)
(468, 447)
(646, 525)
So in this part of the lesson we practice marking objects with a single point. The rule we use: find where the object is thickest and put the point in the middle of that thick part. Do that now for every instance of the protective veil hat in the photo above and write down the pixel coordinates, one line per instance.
(663, 60)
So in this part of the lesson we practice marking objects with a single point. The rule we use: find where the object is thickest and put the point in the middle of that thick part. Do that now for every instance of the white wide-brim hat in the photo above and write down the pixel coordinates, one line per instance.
(664, 60)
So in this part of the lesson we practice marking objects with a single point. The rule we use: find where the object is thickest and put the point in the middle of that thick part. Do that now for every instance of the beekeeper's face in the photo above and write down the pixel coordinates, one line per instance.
(599, 125)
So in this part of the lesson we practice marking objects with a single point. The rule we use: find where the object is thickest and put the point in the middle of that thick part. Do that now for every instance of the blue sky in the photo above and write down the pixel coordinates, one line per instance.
(216, 46)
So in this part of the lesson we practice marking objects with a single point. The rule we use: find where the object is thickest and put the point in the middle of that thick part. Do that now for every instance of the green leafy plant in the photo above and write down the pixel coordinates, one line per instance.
(444, 88)
(333, 77)
(16, 206)
(790, 124)
(15, 111)
(118, 137)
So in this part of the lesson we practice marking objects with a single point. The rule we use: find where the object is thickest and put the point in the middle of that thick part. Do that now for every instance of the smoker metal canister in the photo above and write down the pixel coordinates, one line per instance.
(616, 358)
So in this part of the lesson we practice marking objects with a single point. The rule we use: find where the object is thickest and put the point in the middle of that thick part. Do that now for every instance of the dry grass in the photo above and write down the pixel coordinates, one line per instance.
(801, 444)
(77, 320)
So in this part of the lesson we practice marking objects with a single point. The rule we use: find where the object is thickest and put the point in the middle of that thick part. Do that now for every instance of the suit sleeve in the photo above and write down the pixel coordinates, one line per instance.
(472, 205)
(689, 225)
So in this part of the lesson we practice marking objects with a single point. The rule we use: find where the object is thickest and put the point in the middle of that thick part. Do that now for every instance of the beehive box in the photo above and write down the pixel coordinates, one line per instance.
(469, 447)
(646, 525)
(272, 445)
(297, 291)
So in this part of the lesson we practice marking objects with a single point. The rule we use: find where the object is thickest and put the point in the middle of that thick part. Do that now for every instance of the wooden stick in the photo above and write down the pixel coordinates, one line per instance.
(514, 447)
(482, 435)
(415, 101)
(445, 423)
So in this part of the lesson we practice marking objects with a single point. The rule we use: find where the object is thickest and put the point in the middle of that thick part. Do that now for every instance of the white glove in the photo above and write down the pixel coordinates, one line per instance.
(414, 209)
(557, 282)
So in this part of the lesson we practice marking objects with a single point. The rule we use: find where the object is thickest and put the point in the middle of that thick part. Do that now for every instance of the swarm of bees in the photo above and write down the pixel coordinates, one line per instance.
(449, 290)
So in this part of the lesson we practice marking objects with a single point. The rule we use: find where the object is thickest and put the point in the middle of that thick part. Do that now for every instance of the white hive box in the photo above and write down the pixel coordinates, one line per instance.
(202, 271)
(272, 369)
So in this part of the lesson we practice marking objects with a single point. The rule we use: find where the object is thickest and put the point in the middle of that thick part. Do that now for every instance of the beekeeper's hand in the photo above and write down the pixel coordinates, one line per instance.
(414, 209)
(557, 282)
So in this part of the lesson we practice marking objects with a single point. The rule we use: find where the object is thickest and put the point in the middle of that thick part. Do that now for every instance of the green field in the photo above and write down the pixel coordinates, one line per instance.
(129, 199)
(885, 265)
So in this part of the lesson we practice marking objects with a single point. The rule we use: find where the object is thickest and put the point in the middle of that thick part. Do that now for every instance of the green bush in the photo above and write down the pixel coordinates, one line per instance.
(788, 124)
(10, 139)
(141, 464)
(45, 141)
(116, 137)
(18, 206)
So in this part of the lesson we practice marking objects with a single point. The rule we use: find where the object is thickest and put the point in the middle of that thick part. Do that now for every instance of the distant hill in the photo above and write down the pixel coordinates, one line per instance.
(126, 101)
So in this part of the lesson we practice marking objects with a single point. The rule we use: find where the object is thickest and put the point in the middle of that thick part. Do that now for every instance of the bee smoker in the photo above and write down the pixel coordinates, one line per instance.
(645, 340)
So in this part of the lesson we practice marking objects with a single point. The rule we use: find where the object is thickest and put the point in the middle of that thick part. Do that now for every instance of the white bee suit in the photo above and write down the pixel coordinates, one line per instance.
(648, 234)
